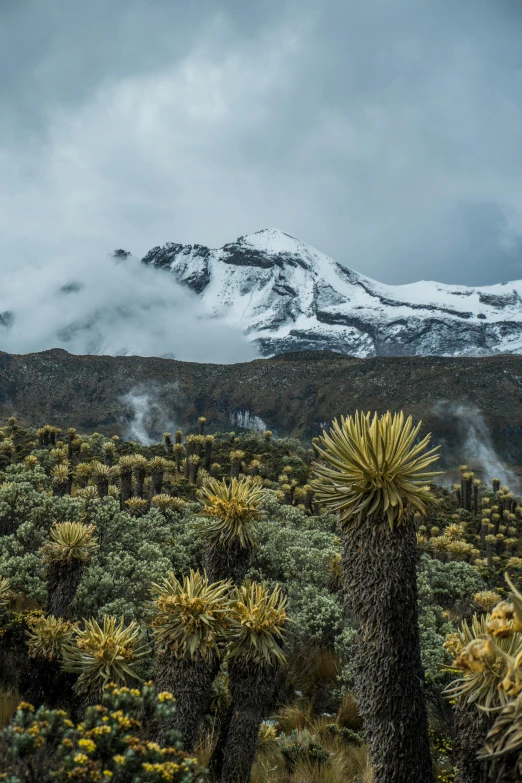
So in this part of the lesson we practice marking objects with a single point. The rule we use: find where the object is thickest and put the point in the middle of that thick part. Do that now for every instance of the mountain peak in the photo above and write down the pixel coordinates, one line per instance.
(287, 296)
(272, 240)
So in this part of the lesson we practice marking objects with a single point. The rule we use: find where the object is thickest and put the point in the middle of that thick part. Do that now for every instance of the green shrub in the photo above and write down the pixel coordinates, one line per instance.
(115, 741)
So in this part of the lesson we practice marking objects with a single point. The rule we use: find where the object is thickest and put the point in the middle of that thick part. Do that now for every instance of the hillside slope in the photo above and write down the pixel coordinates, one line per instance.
(293, 394)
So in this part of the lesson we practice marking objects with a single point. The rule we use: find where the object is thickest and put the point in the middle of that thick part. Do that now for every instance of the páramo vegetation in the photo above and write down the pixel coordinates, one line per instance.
(243, 609)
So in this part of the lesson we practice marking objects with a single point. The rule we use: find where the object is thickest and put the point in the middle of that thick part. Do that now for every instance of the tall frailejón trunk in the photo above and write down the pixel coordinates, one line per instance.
(470, 728)
(252, 692)
(125, 485)
(380, 585)
(156, 483)
(190, 682)
(226, 562)
(62, 584)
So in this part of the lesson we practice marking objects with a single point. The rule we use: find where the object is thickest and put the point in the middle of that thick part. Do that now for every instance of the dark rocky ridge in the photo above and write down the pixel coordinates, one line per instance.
(294, 394)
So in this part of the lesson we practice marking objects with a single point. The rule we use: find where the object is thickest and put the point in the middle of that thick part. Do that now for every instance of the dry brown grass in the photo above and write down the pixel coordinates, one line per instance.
(309, 667)
(347, 764)
(9, 700)
(348, 714)
(204, 748)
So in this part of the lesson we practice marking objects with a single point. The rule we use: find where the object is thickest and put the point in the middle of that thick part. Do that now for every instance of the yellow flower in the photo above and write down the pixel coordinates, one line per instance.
(80, 758)
(165, 696)
(67, 743)
(24, 705)
(98, 731)
(118, 759)
(87, 744)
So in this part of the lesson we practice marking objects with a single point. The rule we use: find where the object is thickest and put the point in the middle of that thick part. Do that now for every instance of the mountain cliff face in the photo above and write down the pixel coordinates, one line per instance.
(287, 296)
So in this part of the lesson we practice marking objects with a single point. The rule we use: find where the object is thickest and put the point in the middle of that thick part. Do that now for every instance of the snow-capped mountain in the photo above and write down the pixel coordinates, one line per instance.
(287, 296)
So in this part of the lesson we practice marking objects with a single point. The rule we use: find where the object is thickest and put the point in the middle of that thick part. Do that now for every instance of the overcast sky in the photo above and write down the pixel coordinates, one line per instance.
(386, 133)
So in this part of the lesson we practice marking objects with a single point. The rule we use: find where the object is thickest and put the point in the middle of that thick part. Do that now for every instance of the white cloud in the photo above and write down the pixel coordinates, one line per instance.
(387, 135)
(92, 305)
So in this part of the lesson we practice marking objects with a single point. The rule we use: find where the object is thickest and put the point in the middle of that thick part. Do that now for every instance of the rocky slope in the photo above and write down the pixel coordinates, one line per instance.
(472, 405)
(287, 296)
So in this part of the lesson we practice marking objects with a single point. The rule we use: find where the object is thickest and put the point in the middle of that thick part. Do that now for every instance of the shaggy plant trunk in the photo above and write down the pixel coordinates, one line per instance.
(102, 485)
(190, 682)
(470, 728)
(489, 554)
(308, 501)
(62, 583)
(193, 469)
(139, 476)
(222, 562)
(156, 483)
(60, 490)
(252, 692)
(208, 455)
(43, 682)
(380, 585)
(126, 486)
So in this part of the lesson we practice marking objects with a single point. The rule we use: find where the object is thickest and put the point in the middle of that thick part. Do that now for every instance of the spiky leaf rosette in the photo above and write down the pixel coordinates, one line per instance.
(486, 599)
(257, 625)
(48, 636)
(70, 541)
(486, 679)
(503, 745)
(164, 501)
(88, 493)
(157, 464)
(83, 470)
(516, 599)
(373, 469)
(126, 463)
(191, 616)
(60, 473)
(234, 510)
(31, 462)
(137, 506)
(104, 654)
(101, 471)
(139, 462)
(5, 592)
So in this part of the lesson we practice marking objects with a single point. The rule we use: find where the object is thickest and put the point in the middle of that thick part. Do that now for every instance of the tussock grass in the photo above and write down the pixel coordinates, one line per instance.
(347, 763)
(9, 700)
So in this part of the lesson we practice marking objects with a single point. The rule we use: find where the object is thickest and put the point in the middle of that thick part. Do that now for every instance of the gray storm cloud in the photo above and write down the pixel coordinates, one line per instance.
(101, 305)
(388, 135)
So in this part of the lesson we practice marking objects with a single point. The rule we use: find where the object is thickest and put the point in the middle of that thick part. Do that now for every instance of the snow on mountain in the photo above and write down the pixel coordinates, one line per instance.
(287, 296)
